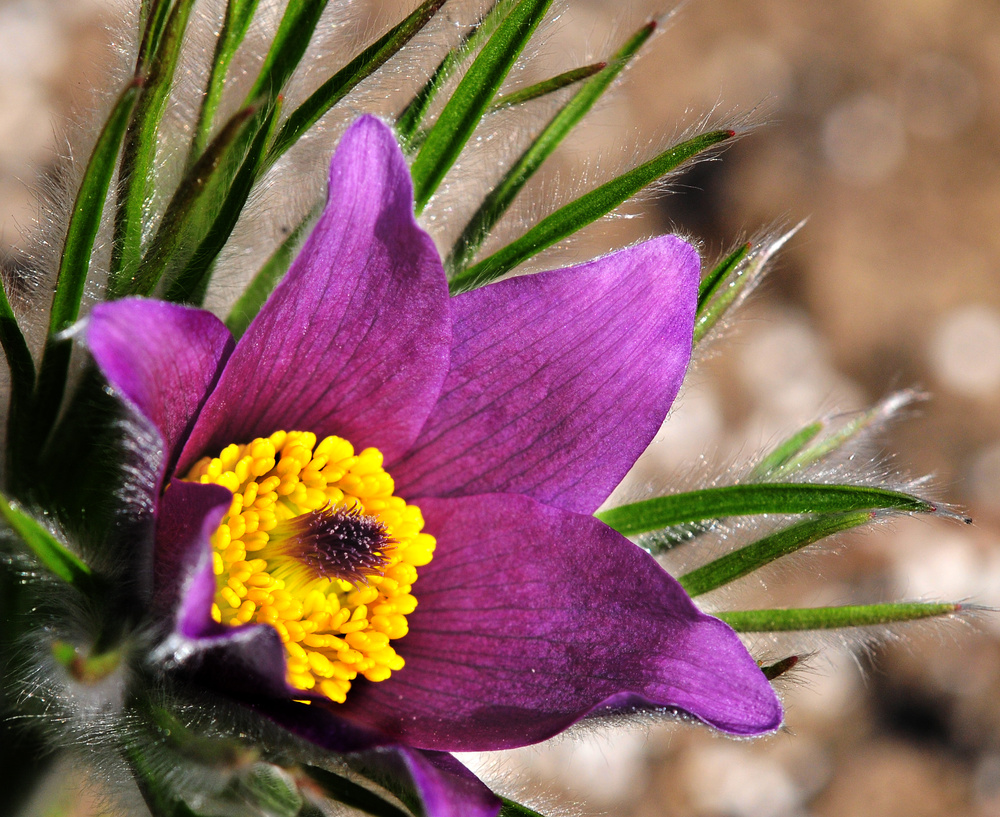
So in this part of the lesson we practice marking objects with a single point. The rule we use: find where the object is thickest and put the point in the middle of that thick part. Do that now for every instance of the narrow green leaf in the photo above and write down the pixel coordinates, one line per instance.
(833, 618)
(834, 442)
(754, 556)
(779, 668)
(271, 790)
(50, 552)
(473, 95)
(784, 452)
(545, 87)
(661, 541)
(347, 78)
(579, 213)
(512, 809)
(710, 283)
(235, 23)
(22, 370)
(746, 500)
(139, 152)
(189, 284)
(74, 266)
(154, 788)
(499, 199)
(412, 116)
(153, 20)
(188, 200)
(731, 288)
(85, 220)
(259, 289)
(290, 42)
(352, 794)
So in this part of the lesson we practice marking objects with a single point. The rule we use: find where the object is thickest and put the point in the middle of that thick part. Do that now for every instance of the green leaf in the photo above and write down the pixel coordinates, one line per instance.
(668, 538)
(290, 42)
(189, 284)
(85, 220)
(499, 199)
(22, 377)
(412, 116)
(754, 556)
(832, 618)
(740, 277)
(473, 95)
(235, 23)
(352, 794)
(207, 176)
(856, 426)
(50, 552)
(347, 78)
(259, 289)
(546, 86)
(74, 267)
(512, 809)
(270, 789)
(784, 452)
(139, 151)
(745, 500)
(153, 20)
(155, 791)
(710, 284)
(572, 217)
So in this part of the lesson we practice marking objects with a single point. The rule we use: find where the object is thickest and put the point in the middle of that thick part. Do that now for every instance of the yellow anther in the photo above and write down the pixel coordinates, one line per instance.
(333, 630)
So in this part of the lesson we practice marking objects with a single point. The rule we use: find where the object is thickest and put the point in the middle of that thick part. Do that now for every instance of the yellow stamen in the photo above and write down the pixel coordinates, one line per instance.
(333, 629)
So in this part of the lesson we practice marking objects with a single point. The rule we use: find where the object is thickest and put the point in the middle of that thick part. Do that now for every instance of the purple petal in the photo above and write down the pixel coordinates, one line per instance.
(184, 582)
(437, 781)
(162, 357)
(530, 617)
(559, 380)
(240, 661)
(355, 340)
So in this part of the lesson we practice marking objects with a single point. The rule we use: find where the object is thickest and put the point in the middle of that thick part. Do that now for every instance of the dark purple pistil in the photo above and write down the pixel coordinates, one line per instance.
(336, 543)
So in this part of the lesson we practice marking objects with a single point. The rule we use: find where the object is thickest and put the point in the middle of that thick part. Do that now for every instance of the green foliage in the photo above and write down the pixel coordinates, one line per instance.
(344, 81)
(585, 210)
(193, 198)
(52, 553)
(472, 97)
(412, 116)
(155, 71)
(263, 283)
(235, 23)
(754, 556)
(343, 790)
(502, 196)
(827, 618)
(512, 809)
(745, 500)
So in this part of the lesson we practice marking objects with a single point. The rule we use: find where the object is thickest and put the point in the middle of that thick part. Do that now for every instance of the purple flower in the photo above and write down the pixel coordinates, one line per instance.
(506, 415)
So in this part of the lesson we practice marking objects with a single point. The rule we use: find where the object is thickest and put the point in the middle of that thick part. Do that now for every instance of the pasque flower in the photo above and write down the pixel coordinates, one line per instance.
(375, 513)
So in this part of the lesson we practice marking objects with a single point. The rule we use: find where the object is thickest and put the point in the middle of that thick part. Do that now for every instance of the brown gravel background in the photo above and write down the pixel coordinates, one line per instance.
(881, 122)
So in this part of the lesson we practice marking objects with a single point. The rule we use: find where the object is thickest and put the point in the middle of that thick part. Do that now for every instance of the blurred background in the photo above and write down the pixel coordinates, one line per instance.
(880, 122)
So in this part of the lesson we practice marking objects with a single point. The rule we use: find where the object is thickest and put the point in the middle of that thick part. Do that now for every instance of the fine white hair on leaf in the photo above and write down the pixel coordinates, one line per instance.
(765, 251)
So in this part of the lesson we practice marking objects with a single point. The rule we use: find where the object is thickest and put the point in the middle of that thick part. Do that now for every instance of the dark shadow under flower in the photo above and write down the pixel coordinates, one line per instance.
(506, 415)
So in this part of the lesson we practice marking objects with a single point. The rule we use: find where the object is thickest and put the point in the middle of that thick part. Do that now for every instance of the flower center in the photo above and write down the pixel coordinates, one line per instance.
(316, 545)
